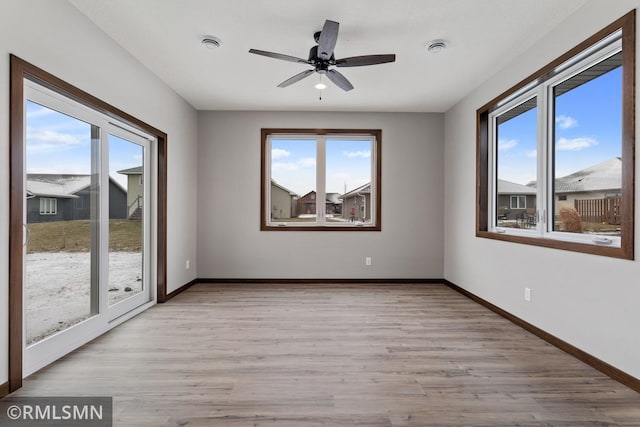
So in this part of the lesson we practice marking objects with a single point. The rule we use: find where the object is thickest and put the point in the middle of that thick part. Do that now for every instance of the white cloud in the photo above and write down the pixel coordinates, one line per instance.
(307, 162)
(532, 153)
(508, 144)
(575, 144)
(304, 163)
(566, 122)
(362, 153)
(44, 141)
(278, 153)
(284, 166)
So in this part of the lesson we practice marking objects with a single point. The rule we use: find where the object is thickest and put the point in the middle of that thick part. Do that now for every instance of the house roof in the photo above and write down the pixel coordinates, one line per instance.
(334, 198)
(280, 187)
(131, 171)
(366, 188)
(602, 176)
(59, 185)
(508, 187)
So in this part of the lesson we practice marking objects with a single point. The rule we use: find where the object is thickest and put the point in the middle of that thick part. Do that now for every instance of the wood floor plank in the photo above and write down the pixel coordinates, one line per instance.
(309, 355)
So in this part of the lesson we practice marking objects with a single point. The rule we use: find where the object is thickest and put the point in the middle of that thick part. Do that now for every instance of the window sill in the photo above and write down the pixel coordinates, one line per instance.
(593, 249)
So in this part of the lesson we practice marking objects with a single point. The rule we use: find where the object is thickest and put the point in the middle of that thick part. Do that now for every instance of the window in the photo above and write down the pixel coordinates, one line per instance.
(48, 206)
(564, 140)
(320, 179)
(518, 202)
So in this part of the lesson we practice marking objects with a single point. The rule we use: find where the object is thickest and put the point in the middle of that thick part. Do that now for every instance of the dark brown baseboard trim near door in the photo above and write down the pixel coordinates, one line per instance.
(611, 371)
(179, 290)
(4, 389)
(300, 281)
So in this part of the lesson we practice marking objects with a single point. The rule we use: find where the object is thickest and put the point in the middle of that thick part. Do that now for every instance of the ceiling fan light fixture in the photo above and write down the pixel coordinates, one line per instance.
(211, 42)
(320, 86)
(436, 46)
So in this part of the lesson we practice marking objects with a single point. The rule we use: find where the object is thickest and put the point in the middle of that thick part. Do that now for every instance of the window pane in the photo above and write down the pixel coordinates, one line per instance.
(348, 181)
(588, 150)
(293, 180)
(516, 167)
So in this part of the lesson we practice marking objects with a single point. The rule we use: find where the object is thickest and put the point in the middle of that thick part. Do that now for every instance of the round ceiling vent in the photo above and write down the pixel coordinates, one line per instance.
(211, 42)
(436, 46)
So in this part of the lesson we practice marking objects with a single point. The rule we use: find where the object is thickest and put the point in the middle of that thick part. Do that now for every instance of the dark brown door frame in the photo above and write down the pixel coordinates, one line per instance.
(21, 70)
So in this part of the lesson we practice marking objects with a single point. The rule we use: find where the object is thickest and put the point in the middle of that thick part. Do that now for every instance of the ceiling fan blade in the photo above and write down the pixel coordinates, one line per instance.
(328, 39)
(296, 78)
(339, 80)
(358, 61)
(279, 56)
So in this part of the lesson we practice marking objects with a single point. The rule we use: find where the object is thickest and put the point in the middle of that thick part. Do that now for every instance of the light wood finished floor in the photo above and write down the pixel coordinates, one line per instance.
(333, 355)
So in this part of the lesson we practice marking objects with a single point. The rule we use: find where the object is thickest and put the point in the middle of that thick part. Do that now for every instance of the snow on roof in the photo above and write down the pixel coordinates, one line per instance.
(508, 187)
(56, 185)
(334, 198)
(60, 185)
(603, 176)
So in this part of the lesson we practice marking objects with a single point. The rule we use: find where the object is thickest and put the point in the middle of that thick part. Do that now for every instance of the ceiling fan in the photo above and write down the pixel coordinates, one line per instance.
(321, 57)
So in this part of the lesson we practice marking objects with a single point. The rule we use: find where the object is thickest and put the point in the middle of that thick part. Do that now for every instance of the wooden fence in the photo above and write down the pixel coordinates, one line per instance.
(599, 210)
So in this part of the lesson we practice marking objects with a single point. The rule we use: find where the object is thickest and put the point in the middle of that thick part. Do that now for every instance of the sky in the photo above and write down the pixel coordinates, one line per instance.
(348, 164)
(588, 122)
(57, 143)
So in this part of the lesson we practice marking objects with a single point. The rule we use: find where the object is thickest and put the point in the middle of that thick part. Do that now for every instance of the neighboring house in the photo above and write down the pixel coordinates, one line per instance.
(356, 204)
(600, 181)
(307, 204)
(333, 204)
(66, 197)
(515, 200)
(595, 191)
(135, 190)
(283, 202)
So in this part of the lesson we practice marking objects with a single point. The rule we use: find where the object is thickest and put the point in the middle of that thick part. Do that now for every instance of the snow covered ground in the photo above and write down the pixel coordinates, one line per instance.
(57, 288)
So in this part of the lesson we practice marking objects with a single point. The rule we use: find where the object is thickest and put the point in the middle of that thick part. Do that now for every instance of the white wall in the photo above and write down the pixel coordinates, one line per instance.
(589, 301)
(231, 245)
(53, 35)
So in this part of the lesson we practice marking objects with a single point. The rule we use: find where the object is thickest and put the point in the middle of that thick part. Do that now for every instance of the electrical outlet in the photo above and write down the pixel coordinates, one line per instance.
(367, 260)
(527, 294)
(187, 265)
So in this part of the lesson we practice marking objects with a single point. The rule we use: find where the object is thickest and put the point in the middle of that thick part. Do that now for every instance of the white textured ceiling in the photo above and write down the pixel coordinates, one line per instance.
(483, 36)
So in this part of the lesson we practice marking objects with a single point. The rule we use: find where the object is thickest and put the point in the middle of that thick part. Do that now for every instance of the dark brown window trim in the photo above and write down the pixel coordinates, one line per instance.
(626, 250)
(264, 133)
(21, 70)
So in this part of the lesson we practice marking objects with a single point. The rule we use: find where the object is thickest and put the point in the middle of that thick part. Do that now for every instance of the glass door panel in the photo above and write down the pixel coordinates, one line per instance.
(126, 206)
(62, 220)
(128, 220)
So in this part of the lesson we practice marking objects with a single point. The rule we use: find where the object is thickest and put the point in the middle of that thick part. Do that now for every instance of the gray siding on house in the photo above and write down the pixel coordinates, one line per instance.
(78, 208)
(117, 201)
(358, 206)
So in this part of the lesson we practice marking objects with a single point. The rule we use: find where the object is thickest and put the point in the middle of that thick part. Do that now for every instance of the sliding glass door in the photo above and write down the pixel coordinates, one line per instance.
(87, 214)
